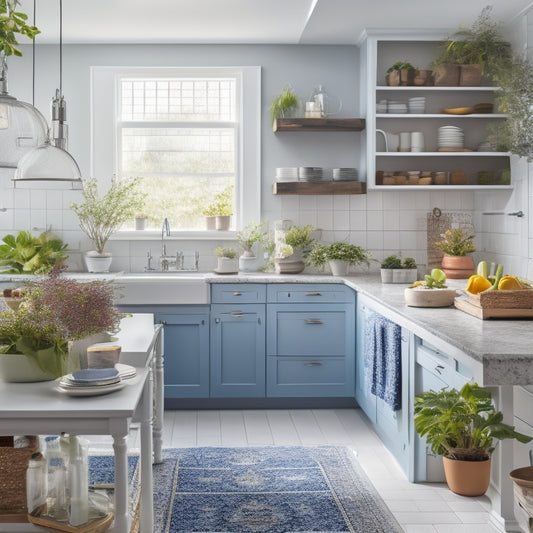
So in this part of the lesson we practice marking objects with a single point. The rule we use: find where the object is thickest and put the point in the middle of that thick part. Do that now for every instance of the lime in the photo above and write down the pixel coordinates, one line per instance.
(438, 275)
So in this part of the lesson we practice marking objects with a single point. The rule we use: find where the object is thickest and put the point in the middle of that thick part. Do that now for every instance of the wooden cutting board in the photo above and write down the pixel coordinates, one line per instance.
(470, 307)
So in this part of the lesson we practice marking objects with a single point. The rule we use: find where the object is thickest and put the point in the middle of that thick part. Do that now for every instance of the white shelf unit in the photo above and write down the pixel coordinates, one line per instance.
(380, 50)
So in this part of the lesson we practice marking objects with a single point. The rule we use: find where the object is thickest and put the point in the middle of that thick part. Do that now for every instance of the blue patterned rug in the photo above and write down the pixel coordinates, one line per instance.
(260, 490)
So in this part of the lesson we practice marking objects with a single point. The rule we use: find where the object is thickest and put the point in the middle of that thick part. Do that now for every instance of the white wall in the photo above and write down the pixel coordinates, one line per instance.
(385, 222)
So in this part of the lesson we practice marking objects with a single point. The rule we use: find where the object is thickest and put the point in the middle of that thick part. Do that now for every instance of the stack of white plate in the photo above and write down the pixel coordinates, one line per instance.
(451, 137)
(381, 106)
(397, 107)
(345, 174)
(287, 174)
(311, 174)
(417, 104)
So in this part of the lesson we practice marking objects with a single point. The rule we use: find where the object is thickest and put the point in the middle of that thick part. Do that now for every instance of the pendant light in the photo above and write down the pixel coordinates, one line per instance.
(50, 161)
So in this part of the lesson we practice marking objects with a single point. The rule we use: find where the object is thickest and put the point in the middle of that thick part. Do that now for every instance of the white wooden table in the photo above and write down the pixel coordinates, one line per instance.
(37, 408)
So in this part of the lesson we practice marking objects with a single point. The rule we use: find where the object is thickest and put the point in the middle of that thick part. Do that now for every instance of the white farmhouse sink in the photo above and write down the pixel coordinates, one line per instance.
(163, 288)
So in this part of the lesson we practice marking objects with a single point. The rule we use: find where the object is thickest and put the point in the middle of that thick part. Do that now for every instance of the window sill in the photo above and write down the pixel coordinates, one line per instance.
(155, 235)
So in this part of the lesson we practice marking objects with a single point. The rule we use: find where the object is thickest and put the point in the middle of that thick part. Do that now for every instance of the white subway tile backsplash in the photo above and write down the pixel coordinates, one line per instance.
(358, 220)
(21, 198)
(341, 220)
(308, 217)
(37, 199)
(54, 199)
(374, 200)
(391, 240)
(21, 219)
(408, 240)
(358, 202)
(38, 220)
(391, 219)
(341, 202)
(374, 220)
(324, 203)
(307, 202)
(54, 219)
(325, 220)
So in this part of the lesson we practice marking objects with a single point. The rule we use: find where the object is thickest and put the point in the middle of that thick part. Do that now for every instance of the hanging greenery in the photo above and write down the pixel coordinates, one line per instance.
(13, 22)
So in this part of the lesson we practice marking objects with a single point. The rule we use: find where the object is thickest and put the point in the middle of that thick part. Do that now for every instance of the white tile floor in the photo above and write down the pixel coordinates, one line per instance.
(419, 508)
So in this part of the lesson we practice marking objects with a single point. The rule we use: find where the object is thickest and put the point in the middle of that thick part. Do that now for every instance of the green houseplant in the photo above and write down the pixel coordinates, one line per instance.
(455, 245)
(284, 105)
(26, 254)
(218, 212)
(401, 73)
(292, 246)
(393, 270)
(339, 256)
(226, 260)
(102, 215)
(250, 235)
(13, 22)
(461, 425)
(476, 50)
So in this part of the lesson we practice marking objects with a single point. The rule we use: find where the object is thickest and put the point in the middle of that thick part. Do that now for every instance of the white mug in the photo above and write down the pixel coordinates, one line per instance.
(405, 141)
(417, 141)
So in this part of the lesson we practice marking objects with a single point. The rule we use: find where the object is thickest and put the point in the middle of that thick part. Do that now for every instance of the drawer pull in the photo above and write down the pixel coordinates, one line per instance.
(237, 314)
(313, 321)
(313, 363)
(313, 294)
(237, 293)
(439, 369)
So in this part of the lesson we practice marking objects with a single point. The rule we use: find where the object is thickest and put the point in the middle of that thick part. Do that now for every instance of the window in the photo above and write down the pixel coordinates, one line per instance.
(189, 133)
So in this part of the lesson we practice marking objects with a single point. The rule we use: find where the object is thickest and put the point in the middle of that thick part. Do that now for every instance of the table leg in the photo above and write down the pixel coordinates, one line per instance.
(159, 392)
(122, 519)
(147, 491)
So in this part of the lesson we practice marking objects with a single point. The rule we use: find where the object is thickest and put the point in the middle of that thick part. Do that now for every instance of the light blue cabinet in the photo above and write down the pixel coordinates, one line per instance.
(238, 351)
(310, 340)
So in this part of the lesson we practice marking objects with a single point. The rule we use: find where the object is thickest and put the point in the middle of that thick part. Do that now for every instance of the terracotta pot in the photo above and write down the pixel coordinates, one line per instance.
(455, 267)
(470, 75)
(407, 76)
(446, 75)
(467, 478)
(393, 78)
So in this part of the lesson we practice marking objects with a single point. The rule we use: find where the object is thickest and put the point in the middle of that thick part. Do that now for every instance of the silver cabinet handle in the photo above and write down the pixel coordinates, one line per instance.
(439, 369)
(237, 293)
(313, 363)
(217, 320)
(313, 321)
(313, 294)
(237, 314)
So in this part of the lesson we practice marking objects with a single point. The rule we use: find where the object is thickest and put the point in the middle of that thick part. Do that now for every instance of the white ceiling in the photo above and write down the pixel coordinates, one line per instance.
(251, 21)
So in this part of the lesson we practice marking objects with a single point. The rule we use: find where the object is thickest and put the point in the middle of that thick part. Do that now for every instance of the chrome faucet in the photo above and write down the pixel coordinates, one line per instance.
(165, 231)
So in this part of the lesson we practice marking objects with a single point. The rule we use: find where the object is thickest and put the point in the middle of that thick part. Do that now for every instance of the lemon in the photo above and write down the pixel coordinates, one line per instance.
(477, 284)
(509, 283)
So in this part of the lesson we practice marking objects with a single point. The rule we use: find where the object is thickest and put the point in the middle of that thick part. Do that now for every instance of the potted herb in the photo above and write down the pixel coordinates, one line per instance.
(339, 256)
(218, 212)
(13, 22)
(36, 338)
(461, 426)
(401, 73)
(284, 105)
(455, 245)
(292, 246)
(247, 237)
(393, 270)
(102, 215)
(140, 222)
(227, 262)
(472, 52)
(26, 254)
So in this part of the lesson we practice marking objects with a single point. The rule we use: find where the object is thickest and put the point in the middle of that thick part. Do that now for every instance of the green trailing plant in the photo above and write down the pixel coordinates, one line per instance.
(102, 215)
(515, 98)
(456, 242)
(482, 43)
(320, 254)
(281, 105)
(221, 205)
(251, 234)
(461, 424)
(26, 254)
(227, 252)
(13, 23)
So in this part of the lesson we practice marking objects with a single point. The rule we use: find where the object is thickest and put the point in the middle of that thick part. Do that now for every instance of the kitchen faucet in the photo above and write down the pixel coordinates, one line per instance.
(165, 231)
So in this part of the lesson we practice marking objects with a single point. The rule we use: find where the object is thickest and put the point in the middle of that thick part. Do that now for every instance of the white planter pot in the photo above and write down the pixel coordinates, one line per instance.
(386, 275)
(210, 223)
(222, 222)
(96, 263)
(339, 267)
(247, 263)
(404, 275)
(17, 368)
(140, 223)
(227, 266)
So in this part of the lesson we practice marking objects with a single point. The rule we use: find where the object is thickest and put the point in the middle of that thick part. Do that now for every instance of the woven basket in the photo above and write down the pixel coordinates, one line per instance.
(13, 465)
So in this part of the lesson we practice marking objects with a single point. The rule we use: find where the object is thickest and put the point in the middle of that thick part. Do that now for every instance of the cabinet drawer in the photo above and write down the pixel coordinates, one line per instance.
(245, 293)
(308, 376)
(315, 293)
(303, 330)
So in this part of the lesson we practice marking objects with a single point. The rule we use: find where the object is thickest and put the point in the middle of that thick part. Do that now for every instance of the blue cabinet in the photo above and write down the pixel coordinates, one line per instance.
(186, 348)
(238, 351)
(310, 340)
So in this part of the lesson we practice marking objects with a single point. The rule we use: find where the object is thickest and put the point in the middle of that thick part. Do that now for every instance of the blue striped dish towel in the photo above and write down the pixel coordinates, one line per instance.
(383, 359)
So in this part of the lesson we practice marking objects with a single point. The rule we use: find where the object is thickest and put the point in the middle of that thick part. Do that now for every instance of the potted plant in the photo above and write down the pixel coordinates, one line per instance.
(432, 291)
(26, 254)
(36, 337)
(393, 270)
(473, 51)
(401, 73)
(455, 244)
(247, 237)
(140, 222)
(291, 247)
(339, 256)
(218, 212)
(284, 105)
(461, 426)
(101, 216)
(13, 22)
(227, 262)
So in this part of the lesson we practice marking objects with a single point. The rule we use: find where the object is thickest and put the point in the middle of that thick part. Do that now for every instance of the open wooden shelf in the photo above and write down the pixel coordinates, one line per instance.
(319, 124)
(328, 187)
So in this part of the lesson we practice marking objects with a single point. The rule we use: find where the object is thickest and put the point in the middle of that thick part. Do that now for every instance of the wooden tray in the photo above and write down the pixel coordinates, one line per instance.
(498, 304)
(98, 525)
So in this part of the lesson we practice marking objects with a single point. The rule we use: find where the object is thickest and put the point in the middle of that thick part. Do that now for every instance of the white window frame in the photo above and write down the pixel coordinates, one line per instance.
(105, 143)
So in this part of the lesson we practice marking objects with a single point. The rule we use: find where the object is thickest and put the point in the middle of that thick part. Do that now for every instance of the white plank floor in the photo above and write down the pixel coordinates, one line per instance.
(419, 508)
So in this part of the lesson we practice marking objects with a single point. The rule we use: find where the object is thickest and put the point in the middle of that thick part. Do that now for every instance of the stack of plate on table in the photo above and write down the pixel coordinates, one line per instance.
(311, 174)
(95, 381)
(397, 107)
(287, 174)
(345, 174)
(381, 106)
(451, 137)
(417, 104)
